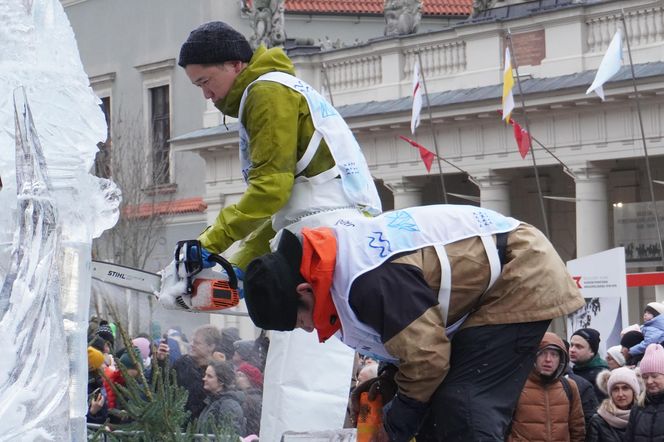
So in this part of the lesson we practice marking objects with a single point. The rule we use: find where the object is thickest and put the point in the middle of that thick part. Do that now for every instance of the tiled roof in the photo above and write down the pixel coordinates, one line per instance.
(145, 210)
(430, 7)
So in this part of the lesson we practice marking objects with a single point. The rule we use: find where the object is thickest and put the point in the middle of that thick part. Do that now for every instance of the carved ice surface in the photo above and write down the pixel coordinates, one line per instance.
(46, 233)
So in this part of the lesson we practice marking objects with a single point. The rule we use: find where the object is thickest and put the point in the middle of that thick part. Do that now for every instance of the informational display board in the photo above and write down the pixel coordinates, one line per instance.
(602, 280)
(635, 229)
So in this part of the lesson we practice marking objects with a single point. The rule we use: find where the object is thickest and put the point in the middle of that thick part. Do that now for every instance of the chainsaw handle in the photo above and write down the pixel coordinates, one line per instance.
(226, 265)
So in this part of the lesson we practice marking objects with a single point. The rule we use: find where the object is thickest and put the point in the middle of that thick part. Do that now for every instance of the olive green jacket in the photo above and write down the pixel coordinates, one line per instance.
(279, 126)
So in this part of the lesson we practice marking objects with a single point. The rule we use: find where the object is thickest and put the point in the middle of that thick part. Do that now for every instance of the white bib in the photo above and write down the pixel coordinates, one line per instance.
(365, 243)
(321, 193)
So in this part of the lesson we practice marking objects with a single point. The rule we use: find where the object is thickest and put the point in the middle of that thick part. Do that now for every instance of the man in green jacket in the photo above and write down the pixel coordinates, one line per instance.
(277, 128)
(303, 167)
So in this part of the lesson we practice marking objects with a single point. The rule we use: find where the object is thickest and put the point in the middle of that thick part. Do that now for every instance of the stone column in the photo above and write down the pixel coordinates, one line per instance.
(494, 192)
(592, 210)
(405, 193)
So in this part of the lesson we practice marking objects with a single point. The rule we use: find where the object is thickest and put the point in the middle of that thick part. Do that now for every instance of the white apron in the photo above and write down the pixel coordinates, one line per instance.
(306, 383)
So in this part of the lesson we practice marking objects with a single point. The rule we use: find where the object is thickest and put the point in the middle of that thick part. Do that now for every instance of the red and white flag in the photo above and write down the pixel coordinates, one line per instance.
(426, 155)
(417, 98)
(522, 138)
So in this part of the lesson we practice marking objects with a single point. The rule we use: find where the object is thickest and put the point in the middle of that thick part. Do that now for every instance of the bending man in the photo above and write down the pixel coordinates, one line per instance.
(402, 286)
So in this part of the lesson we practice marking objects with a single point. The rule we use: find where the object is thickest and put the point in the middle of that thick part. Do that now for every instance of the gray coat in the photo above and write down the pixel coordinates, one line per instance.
(223, 411)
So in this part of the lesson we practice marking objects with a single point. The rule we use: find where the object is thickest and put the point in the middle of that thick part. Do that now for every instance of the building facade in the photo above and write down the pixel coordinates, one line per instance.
(593, 163)
(590, 159)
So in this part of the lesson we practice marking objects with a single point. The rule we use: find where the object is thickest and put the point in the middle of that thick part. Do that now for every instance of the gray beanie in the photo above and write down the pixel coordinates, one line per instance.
(214, 42)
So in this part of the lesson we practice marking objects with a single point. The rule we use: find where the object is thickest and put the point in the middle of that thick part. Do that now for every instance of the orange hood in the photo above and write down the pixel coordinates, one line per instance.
(319, 253)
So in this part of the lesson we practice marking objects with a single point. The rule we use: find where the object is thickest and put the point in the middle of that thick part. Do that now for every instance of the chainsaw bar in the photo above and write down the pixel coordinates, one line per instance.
(126, 277)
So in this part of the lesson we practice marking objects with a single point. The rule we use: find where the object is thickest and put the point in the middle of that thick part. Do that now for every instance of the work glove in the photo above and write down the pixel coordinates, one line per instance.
(383, 385)
(205, 254)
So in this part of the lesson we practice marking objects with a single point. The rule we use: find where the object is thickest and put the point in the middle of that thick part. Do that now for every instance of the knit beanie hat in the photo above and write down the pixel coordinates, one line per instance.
(95, 359)
(624, 375)
(253, 374)
(214, 42)
(591, 336)
(653, 360)
(245, 348)
(127, 360)
(631, 338)
(616, 353)
(655, 308)
(143, 346)
(106, 333)
(270, 284)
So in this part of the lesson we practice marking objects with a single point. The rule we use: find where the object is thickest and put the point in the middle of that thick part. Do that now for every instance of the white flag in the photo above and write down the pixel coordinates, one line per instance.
(508, 85)
(417, 98)
(609, 66)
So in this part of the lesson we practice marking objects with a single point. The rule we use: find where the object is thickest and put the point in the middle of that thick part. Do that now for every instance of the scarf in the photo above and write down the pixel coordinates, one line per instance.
(615, 417)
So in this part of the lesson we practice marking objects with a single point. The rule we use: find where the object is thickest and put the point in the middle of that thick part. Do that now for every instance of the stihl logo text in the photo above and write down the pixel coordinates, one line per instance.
(116, 274)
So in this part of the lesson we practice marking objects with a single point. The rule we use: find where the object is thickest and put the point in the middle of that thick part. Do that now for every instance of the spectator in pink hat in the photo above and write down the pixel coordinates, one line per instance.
(646, 420)
(622, 387)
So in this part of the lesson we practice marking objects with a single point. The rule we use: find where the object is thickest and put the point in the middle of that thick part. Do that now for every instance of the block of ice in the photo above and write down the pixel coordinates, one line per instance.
(52, 208)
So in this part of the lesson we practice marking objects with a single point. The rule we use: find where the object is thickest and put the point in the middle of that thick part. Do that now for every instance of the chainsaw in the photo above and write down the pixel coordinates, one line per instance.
(185, 284)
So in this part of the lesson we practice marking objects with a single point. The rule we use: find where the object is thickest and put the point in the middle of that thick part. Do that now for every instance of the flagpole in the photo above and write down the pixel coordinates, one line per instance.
(566, 169)
(433, 129)
(643, 137)
(525, 119)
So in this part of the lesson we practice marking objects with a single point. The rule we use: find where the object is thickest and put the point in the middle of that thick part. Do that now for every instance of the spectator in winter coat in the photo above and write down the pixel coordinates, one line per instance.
(628, 340)
(190, 368)
(583, 352)
(614, 357)
(586, 390)
(223, 405)
(549, 408)
(588, 398)
(249, 380)
(404, 283)
(245, 352)
(97, 406)
(646, 420)
(622, 388)
(652, 328)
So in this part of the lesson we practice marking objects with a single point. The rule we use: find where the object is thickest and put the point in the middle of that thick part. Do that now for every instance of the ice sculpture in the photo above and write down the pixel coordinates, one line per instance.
(45, 256)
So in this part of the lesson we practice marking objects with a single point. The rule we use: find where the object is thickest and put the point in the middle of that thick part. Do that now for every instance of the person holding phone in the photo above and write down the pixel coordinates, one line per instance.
(97, 406)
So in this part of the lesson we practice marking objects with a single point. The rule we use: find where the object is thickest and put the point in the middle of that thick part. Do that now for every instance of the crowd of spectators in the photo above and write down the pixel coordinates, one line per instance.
(222, 374)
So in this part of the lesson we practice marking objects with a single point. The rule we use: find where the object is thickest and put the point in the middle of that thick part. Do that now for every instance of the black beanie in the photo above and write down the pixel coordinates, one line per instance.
(214, 42)
(591, 336)
(631, 338)
(269, 285)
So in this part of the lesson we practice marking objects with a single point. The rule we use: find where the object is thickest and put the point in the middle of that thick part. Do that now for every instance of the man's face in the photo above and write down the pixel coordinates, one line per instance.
(305, 310)
(579, 350)
(547, 362)
(305, 319)
(215, 80)
(200, 351)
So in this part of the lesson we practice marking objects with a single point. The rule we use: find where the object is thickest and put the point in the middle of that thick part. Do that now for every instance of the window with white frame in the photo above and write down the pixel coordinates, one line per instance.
(160, 129)
(157, 80)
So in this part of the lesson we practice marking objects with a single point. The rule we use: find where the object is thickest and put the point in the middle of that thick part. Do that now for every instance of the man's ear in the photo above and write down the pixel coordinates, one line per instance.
(305, 293)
